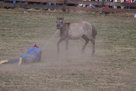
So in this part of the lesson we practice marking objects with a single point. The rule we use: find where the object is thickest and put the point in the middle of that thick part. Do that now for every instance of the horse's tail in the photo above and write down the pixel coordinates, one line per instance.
(94, 31)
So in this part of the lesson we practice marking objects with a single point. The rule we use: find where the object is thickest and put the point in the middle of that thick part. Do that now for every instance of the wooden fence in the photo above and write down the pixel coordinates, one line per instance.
(41, 4)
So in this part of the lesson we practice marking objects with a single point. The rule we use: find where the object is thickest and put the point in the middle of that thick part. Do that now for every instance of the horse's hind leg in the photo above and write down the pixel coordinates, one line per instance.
(85, 46)
(93, 42)
(86, 42)
(67, 41)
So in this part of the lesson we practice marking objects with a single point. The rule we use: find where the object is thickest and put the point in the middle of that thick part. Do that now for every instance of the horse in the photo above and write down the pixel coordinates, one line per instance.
(82, 29)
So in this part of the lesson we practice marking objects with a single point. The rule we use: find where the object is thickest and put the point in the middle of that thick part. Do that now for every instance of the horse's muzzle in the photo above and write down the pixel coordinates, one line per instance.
(58, 26)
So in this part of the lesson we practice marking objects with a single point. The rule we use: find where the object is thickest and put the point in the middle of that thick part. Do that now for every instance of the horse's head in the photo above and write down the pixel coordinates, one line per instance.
(59, 23)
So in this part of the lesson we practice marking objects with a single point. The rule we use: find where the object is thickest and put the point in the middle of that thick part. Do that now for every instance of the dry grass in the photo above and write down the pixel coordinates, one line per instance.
(111, 69)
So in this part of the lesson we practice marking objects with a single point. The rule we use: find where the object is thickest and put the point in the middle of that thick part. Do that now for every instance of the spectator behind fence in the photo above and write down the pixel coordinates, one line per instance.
(115, 7)
(110, 5)
(100, 5)
(134, 1)
(51, 3)
(122, 1)
(134, 8)
(14, 2)
(82, 5)
(91, 5)
(128, 1)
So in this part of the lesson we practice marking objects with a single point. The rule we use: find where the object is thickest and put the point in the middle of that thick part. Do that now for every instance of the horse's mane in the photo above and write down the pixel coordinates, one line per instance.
(67, 23)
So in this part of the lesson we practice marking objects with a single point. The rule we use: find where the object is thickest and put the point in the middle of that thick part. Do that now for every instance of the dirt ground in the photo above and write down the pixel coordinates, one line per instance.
(72, 72)
(112, 68)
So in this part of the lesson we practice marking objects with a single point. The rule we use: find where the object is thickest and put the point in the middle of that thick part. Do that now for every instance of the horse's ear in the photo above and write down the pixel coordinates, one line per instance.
(60, 18)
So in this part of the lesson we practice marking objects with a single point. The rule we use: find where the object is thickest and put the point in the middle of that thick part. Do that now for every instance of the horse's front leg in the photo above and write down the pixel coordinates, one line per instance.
(67, 41)
(93, 42)
(61, 39)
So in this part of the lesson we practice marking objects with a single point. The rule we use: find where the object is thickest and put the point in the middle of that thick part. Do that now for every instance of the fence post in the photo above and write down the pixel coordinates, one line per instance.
(103, 5)
(64, 4)
(25, 9)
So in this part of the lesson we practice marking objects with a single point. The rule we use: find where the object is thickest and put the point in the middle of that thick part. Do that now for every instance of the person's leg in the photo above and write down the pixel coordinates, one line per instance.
(13, 60)
(20, 2)
(14, 2)
(28, 58)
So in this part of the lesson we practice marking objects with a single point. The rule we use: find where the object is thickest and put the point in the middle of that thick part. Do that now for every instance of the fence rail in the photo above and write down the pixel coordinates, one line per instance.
(25, 4)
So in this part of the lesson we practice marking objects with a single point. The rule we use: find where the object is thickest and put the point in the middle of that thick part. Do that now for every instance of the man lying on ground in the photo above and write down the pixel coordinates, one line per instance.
(33, 55)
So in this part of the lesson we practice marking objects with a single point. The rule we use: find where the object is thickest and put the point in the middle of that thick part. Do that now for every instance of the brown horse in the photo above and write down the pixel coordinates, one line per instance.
(83, 30)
